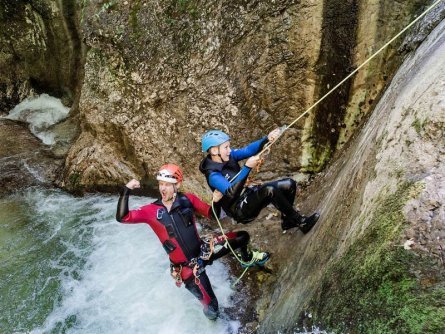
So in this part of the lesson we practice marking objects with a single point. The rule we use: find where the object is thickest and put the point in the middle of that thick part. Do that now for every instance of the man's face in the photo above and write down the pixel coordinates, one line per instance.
(167, 190)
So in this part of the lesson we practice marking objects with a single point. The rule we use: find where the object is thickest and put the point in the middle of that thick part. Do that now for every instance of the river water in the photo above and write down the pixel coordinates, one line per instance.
(68, 267)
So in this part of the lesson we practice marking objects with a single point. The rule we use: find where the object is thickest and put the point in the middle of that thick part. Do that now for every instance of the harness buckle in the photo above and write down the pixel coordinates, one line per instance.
(160, 213)
(207, 247)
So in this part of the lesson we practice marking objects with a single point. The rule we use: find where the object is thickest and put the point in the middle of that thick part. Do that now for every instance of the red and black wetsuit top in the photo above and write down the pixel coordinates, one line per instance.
(175, 229)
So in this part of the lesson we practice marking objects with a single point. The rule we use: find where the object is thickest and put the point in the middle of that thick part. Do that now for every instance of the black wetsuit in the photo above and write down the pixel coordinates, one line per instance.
(244, 204)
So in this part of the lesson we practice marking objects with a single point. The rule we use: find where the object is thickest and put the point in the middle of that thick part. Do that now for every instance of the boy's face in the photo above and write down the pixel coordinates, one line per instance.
(224, 151)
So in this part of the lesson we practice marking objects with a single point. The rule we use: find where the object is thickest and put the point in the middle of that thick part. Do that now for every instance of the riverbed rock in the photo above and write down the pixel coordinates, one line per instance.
(24, 160)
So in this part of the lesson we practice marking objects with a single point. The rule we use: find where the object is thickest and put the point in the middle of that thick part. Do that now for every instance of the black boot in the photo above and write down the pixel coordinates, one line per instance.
(288, 222)
(211, 311)
(309, 222)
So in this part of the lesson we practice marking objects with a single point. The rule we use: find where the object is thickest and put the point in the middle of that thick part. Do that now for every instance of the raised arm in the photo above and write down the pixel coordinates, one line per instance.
(256, 146)
(249, 150)
(123, 214)
(122, 204)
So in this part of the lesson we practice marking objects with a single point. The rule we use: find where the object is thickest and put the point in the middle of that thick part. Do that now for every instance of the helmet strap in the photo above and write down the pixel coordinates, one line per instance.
(217, 154)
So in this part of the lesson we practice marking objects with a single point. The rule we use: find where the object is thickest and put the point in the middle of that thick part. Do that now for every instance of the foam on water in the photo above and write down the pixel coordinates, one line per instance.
(40, 113)
(109, 277)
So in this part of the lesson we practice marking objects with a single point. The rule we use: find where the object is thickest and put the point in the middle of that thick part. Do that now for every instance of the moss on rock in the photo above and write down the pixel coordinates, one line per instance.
(380, 287)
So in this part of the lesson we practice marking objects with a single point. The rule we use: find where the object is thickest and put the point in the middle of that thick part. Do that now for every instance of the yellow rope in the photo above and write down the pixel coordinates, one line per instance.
(286, 127)
(247, 264)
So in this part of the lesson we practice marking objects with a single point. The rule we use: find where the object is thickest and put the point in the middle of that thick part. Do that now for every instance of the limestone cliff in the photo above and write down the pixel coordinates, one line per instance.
(158, 74)
(41, 50)
(376, 261)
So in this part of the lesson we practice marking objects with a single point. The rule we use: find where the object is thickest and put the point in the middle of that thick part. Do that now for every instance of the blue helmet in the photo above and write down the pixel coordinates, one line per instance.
(213, 138)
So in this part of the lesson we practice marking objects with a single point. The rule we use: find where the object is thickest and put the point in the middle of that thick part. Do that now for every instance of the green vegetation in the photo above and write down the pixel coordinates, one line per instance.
(177, 9)
(106, 6)
(181, 16)
(133, 20)
(320, 156)
(419, 125)
(74, 181)
(378, 287)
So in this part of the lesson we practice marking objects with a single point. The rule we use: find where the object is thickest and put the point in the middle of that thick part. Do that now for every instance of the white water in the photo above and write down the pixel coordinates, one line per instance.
(40, 113)
(100, 276)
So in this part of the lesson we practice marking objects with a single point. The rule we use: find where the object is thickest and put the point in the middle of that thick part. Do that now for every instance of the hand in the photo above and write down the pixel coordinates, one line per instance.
(273, 135)
(217, 195)
(133, 184)
(253, 161)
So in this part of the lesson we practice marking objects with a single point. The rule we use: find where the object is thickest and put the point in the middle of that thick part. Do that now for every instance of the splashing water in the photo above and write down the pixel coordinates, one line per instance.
(41, 113)
(68, 266)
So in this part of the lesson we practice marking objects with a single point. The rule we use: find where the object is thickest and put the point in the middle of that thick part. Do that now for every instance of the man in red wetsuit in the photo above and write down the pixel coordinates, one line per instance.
(172, 218)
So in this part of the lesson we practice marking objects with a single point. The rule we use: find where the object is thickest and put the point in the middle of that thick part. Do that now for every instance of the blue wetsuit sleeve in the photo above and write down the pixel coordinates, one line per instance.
(249, 150)
(218, 181)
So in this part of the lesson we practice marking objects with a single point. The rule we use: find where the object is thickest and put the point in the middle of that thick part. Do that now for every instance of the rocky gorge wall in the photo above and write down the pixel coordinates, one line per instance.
(375, 262)
(159, 74)
(41, 51)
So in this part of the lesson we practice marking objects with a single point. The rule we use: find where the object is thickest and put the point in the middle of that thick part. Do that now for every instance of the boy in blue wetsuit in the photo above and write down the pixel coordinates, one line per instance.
(244, 204)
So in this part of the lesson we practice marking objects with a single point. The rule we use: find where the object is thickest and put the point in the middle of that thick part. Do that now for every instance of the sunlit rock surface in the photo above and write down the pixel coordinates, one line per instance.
(158, 75)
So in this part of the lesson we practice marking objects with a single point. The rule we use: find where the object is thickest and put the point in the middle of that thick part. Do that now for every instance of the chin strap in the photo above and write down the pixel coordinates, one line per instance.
(218, 154)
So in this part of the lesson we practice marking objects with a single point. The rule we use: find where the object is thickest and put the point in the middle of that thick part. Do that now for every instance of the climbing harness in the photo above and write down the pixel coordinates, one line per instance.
(196, 265)
(266, 149)
(207, 247)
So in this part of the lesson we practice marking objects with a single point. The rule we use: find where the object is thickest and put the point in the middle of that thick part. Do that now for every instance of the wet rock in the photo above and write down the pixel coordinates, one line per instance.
(353, 272)
(41, 51)
(24, 160)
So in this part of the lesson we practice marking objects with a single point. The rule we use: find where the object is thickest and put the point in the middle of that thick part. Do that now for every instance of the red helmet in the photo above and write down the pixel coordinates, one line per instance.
(170, 173)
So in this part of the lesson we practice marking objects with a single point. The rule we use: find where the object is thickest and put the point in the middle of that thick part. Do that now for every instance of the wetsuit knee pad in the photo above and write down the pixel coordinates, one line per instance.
(287, 184)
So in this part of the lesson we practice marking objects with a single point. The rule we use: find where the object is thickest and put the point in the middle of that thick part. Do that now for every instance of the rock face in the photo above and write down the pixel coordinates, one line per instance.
(158, 75)
(375, 261)
(24, 160)
(41, 51)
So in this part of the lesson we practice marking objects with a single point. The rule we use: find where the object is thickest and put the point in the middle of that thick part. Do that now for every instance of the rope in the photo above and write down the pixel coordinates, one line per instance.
(286, 127)
(247, 264)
